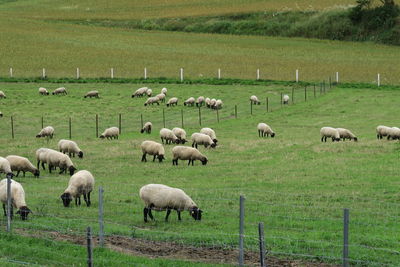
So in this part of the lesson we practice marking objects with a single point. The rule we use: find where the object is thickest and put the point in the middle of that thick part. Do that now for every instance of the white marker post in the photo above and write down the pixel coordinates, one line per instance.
(379, 80)
(297, 76)
(181, 74)
(77, 73)
(337, 77)
(258, 74)
(112, 73)
(145, 73)
(11, 72)
(219, 74)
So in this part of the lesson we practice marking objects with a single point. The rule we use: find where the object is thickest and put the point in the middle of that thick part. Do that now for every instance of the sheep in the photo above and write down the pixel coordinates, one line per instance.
(218, 104)
(160, 197)
(168, 136)
(189, 102)
(91, 94)
(161, 97)
(152, 100)
(41, 156)
(202, 139)
(346, 134)
(1, 114)
(254, 100)
(140, 92)
(110, 133)
(19, 164)
(265, 130)
(149, 92)
(329, 132)
(81, 183)
(46, 132)
(17, 199)
(212, 103)
(285, 99)
(60, 91)
(2, 94)
(70, 147)
(164, 91)
(180, 134)
(382, 131)
(187, 153)
(56, 159)
(208, 102)
(210, 132)
(5, 167)
(152, 148)
(394, 133)
(147, 127)
(43, 91)
(172, 101)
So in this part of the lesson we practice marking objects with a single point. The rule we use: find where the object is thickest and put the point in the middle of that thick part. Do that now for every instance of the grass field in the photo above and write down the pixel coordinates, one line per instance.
(293, 183)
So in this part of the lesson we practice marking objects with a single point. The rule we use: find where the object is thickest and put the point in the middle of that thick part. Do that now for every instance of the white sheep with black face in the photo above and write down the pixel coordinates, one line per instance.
(140, 92)
(394, 133)
(254, 100)
(180, 134)
(2, 94)
(110, 133)
(172, 101)
(189, 102)
(43, 91)
(70, 147)
(265, 130)
(81, 183)
(17, 199)
(382, 131)
(46, 132)
(285, 99)
(5, 167)
(55, 159)
(331, 133)
(187, 153)
(202, 139)
(168, 136)
(211, 133)
(346, 134)
(152, 100)
(91, 94)
(60, 91)
(147, 127)
(200, 101)
(23, 164)
(154, 149)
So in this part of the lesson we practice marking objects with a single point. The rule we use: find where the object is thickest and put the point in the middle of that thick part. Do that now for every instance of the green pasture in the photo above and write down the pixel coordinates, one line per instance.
(293, 183)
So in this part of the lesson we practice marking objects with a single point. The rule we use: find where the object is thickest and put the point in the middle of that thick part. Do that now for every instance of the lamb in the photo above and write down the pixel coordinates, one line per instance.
(346, 134)
(152, 100)
(41, 156)
(152, 148)
(70, 147)
(189, 102)
(394, 133)
(180, 134)
(285, 99)
(5, 167)
(210, 132)
(172, 101)
(202, 139)
(56, 159)
(81, 183)
(91, 94)
(382, 131)
(161, 97)
(160, 197)
(200, 101)
(60, 91)
(168, 136)
(46, 132)
(265, 130)
(2, 94)
(17, 199)
(254, 100)
(147, 127)
(164, 91)
(187, 153)
(140, 92)
(19, 164)
(110, 133)
(149, 92)
(218, 104)
(43, 91)
(329, 132)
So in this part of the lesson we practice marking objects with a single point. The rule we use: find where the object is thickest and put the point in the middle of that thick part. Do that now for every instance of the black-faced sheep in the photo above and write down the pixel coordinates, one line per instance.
(149, 92)
(2, 94)
(147, 127)
(210, 132)
(56, 159)
(346, 134)
(254, 100)
(60, 91)
(187, 153)
(70, 147)
(285, 99)
(19, 164)
(161, 97)
(43, 91)
(189, 102)
(180, 134)
(168, 136)
(202, 139)
(172, 102)
(382, 131)
(110, 133)
(5, 167)
(200, 101)
(265, 130)
(154, 149)
(140, 92)
(46, 132)
(152, 100)
(164, 91)
(394, 133)
(41, 156)
(329, 132)
(17, 199)
(91, 94)
(81, 183)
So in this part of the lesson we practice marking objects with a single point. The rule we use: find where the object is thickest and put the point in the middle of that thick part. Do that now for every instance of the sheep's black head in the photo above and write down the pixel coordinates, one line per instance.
(160, 158)
(24, 211)
(38, 136)
(355, 139)
(204, 161)
(142, 131)
(213, 145)
(145, 104)
(167, 105)
(36, 173)
(177, 141)
(196, 213)
(215, 141)
(183, 141)
(47, 93)
(80, 154)
(273, 135)
(72, 169)
(10, 175)
(184, 103)
(102, 136)
(85, 96)
(133, 96)
(66, 199)
(1, 115)
(53, 93)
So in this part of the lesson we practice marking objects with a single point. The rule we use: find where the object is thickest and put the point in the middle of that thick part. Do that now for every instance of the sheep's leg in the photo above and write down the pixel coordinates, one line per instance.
(23, 173)
(50, 167)
(151, 215)
(189, 162)
(154, 158)
(4, 208)
(88, 197)
(62, 170)
(162, 140)
(145, 211)
(76, 201)
(79, 200)
(168, 213)
(42, 165)
(193, 144)
(17, 173)
(86, 200)
(144, 157)
(192, 162)
(179, 215)
(38, 164)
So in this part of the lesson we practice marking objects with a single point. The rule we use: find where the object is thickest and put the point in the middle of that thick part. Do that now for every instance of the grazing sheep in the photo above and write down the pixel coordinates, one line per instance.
(1, 114)
(41, 156)
(152, 100)
(110, 133)
(149, 92)
(285, 99)
(161, 97)
(189, 102)
(394, 133)
(382, 131)
(172, 101)
(56, 159)
(187, 153)
(60, 91)
(210, 132)
(181, 134)
(140, 92)
(212, 103)
(91, 94)
(160, 197)
(17, 199)
(147, 127)
(208, 102)
(164, 91)
(346, 134)
(19, 164)
(5, 167)
(168, 136)
(200, 101)
(218, 104)
(265, 130)
(70, 147)
(254, 100)
(329, 132)
(46, 132)
(2, 94)
(202, 139)
(81, 183)
(43, 91)
(154, 149)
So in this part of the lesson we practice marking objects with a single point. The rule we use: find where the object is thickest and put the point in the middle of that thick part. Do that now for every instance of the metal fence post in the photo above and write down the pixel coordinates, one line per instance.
(345, 237)
(281, 99)
(42, 123)
(241, 231)
(70, 128)
(101, 222)
(97, 125)
(251, 107)
(217, 116)
(89, 247)
(305, 93)
(200, 116)
(120, 123)
(267, 103)
(141, 120)
(261, 242)
(9, 204)
(12, 127)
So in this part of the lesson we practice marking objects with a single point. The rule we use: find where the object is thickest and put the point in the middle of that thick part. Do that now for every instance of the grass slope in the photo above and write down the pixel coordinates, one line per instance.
(293, 183)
